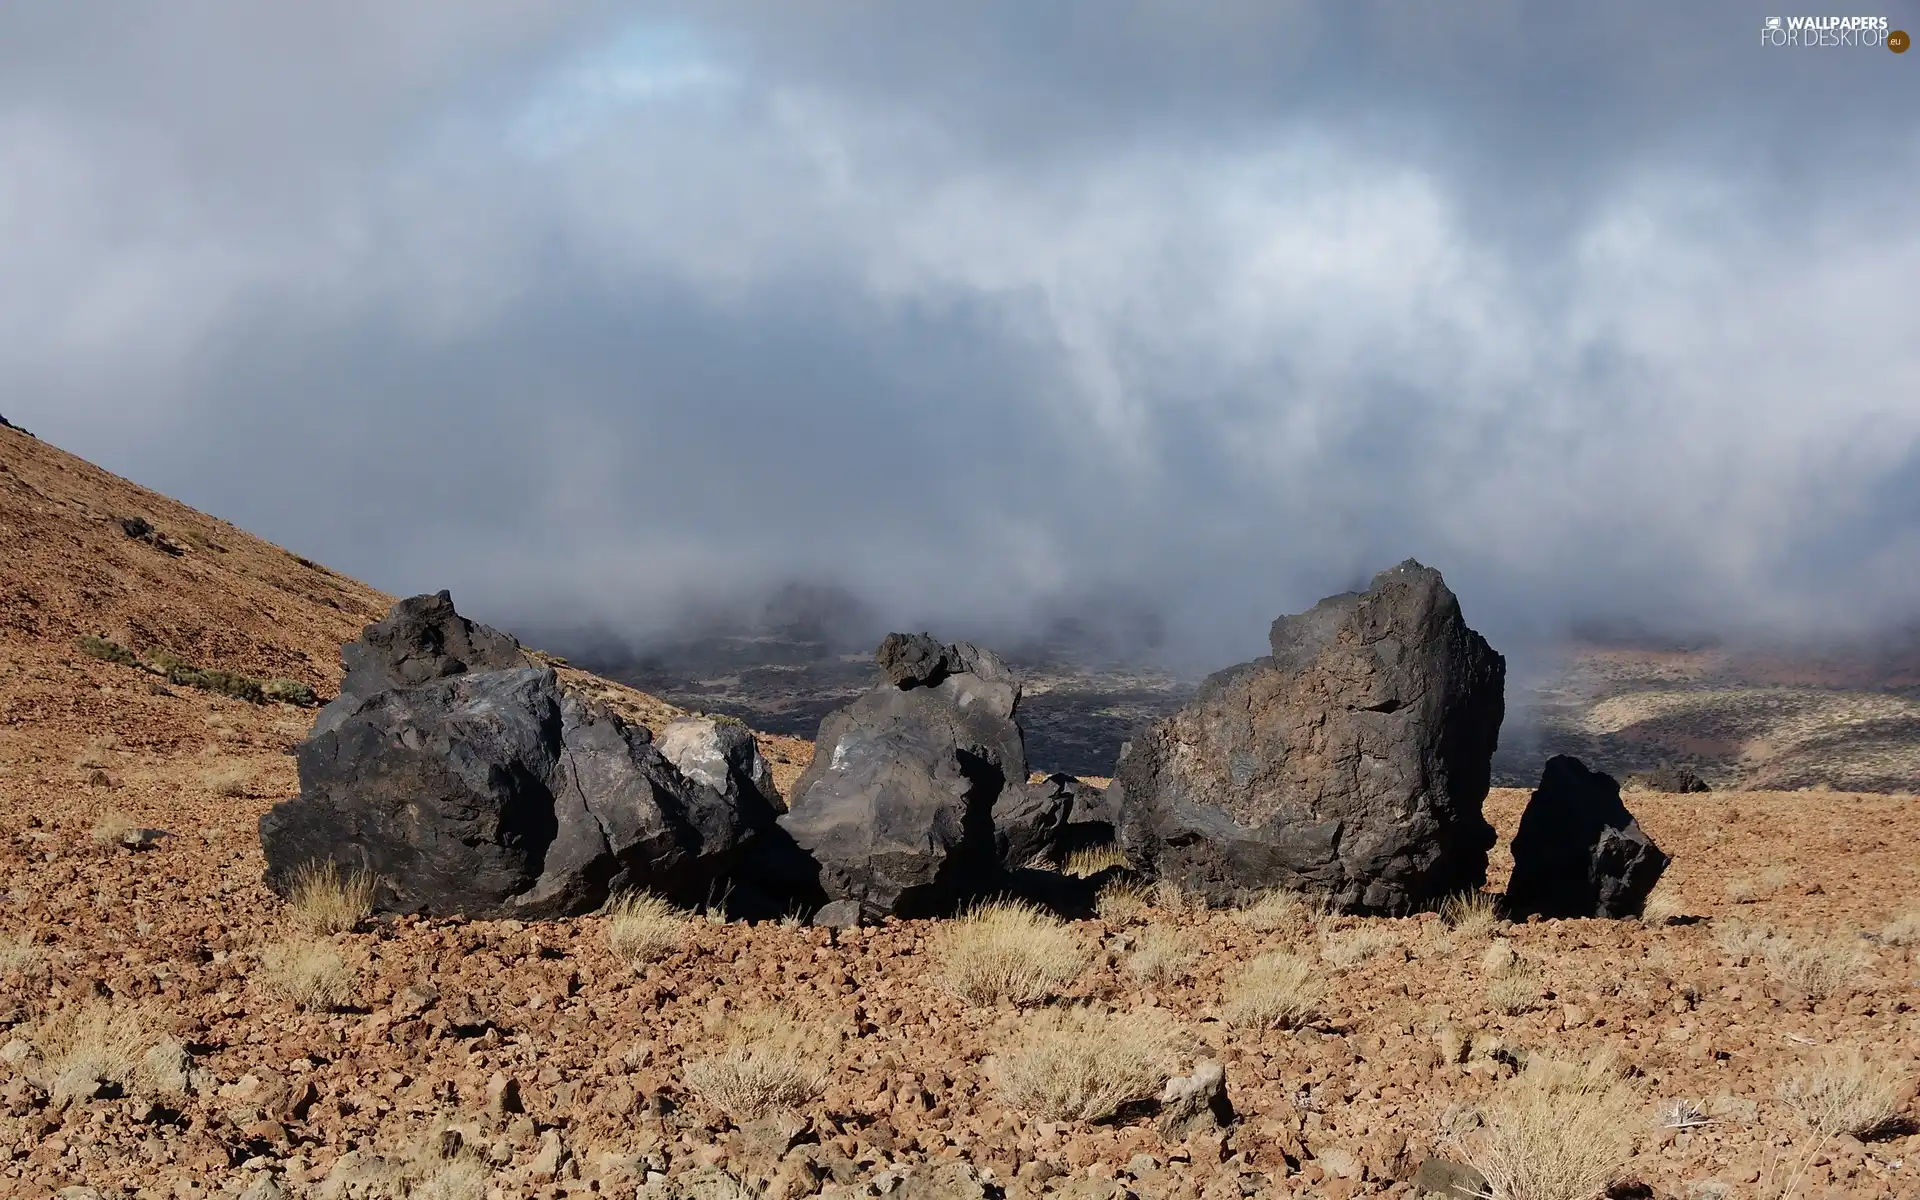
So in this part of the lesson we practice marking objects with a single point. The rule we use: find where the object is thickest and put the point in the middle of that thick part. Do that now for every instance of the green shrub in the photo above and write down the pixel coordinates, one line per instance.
(107, 651)
(290, 691)
(167, 663)
(240, 687)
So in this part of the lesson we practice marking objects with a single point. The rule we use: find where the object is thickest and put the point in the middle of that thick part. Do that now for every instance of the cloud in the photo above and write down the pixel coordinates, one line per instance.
(980, 311)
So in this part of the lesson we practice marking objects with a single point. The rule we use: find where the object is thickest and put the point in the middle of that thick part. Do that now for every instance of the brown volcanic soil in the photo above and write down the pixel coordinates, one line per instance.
(596, 1048)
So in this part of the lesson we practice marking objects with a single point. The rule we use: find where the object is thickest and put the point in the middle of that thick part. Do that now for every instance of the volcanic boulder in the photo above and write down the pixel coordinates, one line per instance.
(1675, 778)
(896, 811)
(493, 792)
(1578, 851)
(421, 639)
(1351, 764)
(721, 753)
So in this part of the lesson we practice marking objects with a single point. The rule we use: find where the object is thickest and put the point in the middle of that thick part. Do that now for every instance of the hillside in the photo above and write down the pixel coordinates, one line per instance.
(87, 553)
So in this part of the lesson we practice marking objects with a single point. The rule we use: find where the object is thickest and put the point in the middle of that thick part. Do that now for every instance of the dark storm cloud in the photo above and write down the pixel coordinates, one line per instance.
(980, 310)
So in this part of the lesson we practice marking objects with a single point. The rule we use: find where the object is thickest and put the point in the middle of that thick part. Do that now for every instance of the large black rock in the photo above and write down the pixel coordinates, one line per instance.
(1351, 764)
(492, 792)
(896, 811)
(421, 639)
(1578, 851)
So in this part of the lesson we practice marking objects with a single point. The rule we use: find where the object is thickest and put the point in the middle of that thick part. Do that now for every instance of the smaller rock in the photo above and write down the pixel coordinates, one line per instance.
(503, 1095)
(548, 1160)
(769, 1138)
(136, 527)
(416, 998)
(1672, 777)
(913, 660)
(1578, 851)
(264, 1188)
(840, 914)
(1196, 1102)
(142, 839)
(79, 1193)
(1455, 1181)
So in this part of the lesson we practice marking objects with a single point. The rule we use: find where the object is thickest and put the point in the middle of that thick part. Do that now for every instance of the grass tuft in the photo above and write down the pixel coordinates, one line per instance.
(1847, 1095)
(1007, 952)
(1355, 946)
(232, 780)
(1559, 1132)
(771, 1061)
(1277, 908)
(322, 900)
(1161, 955)
(290, 691)
(1089, 861)
(1813, 970)
(1082, 1065)
(106, 651)
(642, 927)
(18, 952)
(1471, 914)
(312, 974)
(1903, 930)
(1277, 990)
(89, 1045)
(1122, 902)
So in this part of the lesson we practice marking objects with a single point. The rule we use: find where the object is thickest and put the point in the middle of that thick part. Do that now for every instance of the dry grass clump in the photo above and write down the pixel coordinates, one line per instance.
(1161, 955)
(1123, 902)
(312, 974)
(1737, 939)
(1089, 861)
(114, 827)
(1814, 970)
(1174, 900)
(1008, 952)
(89, 1045)
(1081, 1065)
(1903, 930)
(1558, 1132)
(1277, 908)
(1355, 946)
(1513, 994)
(1277, 990)
(1471, 914)
(232, 780)
(771, 1061)
(323, 900)
(642, 927)
(1661, 908)
(1847, 1095)
(18, 952)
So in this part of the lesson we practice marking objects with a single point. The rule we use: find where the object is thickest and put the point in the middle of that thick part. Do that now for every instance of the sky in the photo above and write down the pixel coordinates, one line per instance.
(601, 314)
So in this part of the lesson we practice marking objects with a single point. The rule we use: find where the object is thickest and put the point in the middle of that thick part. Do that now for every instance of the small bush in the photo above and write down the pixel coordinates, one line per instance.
(1660, 909)
(1472, 914)
(1847, 1095)
(1122, 902)
(290, 691)
(18, 953)
(1559, 1132)
(90, 1045)
(114, 827)
(1513, 994)
(226, 683)
(167, 663)
(1903, 930)
(232, 780)
(1161, 955)
(106, 651)
(311, 974)
(323, 901)
(642, 927)
(1278, 908)
(1812, 970)
(1355, 946)
(1089, 861)
(1008, 952)
(1737, 939)
(771, 1061)
(1081, 1065)
(1277, 990)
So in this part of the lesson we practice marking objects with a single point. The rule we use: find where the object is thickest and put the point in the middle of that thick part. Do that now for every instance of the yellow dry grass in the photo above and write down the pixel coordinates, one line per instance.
(310, 973)
(1557, 1132)
(1276, 990)
(325, 900)
(1006, 952)
(642, 927)
(770, 1061)
(1083, 1065)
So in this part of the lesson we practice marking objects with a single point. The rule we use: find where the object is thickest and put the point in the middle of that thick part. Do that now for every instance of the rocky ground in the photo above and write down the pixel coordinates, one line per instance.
(497, 1059)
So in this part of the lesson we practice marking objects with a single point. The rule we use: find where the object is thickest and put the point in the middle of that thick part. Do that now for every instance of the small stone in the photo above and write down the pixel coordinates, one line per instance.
(1191, 1103)
(547, 1161)
(416, 998)
(264, 1188)
(1339, 1163)
(1573, 1017)
(1455, 1181)
(503, 1095)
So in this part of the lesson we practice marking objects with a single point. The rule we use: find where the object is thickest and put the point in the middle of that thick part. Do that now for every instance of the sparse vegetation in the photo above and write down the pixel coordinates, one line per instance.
(1278, 908)
(771, 1061)
(1123, 901)
(1008, 952)
(1082, 1065)
(290, 691)
(1513, 994)
(642, 927)
(1277, 990)
(1903, 930)
(1558, 1132)
(182, 673)
(323, 900)
(312, 974)
(1471, 914)
(1739, 940)
(1847, 1095)
(18, 952)
(1352, 947)
(1161, 955)
(90, 1045)
(1089, 861)
(108, 651)
(114, 827)
(231, 779)
(1660, 908)
(1813, 970)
